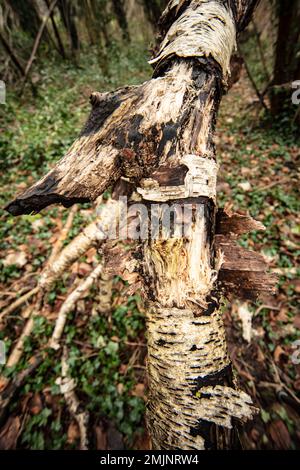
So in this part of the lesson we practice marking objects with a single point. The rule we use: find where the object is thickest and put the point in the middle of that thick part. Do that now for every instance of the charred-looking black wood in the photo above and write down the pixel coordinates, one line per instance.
(159, 136)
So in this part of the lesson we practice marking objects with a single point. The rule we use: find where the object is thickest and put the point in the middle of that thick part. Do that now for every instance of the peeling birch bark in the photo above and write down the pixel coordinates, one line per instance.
(187, 349)
(159, 136)
(69, 304)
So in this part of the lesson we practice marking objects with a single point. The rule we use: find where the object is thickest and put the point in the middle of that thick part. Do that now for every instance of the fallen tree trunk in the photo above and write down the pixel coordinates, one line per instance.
(159, 137)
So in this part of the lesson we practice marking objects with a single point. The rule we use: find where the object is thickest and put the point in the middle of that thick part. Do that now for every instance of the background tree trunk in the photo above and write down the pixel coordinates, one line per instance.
(153, 10)
(159, 136)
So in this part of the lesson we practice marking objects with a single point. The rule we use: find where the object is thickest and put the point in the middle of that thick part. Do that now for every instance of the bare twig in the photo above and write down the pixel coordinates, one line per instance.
(11, 387)
(56, 33)
(73, 251)
(261, 51)
(269, 307)
(12, 55)
(76, 248)
(19, 347)
(285, 179)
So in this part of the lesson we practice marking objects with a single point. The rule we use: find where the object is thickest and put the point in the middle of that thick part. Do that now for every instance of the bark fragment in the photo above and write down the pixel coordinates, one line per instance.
(204, 29)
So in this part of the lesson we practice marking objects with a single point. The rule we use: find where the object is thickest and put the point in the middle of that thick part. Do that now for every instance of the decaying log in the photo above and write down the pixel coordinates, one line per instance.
(159, 137)
(121, 137)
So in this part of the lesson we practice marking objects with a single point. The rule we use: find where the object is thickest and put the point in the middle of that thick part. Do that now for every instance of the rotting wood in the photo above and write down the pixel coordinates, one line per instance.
(10, 388)
(234, 224)
(69, 304)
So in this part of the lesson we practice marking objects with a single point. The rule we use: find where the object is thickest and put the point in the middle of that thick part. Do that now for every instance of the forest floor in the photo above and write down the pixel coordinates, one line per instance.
(107, 351)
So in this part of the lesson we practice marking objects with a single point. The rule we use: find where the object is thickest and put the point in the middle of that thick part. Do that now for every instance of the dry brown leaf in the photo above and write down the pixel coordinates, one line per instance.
(297, 321)
(91, 255)
(297, 384)
(36, 404)
(283, 315)
(260, 355)
(143, 442)
(296, 283)
(84, 268)
(278, 353)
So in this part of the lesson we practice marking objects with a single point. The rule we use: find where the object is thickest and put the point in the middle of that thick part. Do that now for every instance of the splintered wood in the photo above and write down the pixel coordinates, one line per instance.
(122, 138)
(243, 273)
(189, 370)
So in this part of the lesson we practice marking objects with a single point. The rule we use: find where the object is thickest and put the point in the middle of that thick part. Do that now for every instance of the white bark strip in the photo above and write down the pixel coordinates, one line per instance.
(206, 28)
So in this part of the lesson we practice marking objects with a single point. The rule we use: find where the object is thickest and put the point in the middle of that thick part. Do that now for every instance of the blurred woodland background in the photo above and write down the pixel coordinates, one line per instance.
(53, 55)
